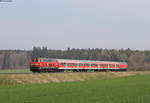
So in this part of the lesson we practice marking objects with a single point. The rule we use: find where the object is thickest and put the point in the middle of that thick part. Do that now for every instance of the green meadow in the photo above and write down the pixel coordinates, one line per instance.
(110, 89)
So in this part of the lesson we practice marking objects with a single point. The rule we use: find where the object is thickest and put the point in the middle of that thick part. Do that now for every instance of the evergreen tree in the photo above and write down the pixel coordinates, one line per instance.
(6, 61)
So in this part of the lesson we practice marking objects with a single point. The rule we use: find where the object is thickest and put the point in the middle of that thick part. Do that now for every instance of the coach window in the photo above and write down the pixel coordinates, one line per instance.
(94, 65)
(117, 65)
(80, 64)
(69, 64)
(111, 65)
(72, 64)
(86, 64)
(50, 64)
(75, 64)
(102, 65)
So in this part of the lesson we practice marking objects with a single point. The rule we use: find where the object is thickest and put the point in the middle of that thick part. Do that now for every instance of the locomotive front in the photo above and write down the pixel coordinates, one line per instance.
(43, 64)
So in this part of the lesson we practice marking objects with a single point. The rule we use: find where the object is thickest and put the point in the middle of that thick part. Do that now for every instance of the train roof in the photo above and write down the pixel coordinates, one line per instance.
(86, 61)
(81, 61)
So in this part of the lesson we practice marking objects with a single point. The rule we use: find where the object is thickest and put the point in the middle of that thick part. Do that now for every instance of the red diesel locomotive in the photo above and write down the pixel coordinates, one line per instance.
(57, 65)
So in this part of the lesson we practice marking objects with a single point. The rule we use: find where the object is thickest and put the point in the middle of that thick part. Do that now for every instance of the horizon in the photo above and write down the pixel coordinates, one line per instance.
(76, 48)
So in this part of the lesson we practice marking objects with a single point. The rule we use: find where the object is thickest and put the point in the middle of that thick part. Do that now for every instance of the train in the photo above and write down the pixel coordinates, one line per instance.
(61, 65)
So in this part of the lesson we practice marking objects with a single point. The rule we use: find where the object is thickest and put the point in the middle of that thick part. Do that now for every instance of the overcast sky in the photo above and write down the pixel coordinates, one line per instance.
(59, 24)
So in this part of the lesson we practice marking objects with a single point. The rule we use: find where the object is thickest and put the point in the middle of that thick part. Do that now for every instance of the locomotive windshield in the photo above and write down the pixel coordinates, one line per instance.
(47, 60)
(35, 60)
(43, 60)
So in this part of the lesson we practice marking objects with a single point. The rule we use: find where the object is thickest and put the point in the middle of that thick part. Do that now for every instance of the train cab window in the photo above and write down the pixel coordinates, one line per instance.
(63, 64)
(35, 60)
(47, 60)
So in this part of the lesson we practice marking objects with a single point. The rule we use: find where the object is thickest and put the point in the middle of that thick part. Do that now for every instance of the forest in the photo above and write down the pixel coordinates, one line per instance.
(138, 60)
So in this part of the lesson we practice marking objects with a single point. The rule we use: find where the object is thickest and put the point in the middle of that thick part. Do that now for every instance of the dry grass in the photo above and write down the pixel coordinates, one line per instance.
(65, 77)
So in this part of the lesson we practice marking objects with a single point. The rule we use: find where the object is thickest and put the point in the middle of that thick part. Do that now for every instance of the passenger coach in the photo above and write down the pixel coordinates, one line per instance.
(57, 65)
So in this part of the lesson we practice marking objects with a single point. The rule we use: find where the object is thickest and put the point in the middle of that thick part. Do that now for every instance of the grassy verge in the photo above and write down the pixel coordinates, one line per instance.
(59, 77)
(128, 89)
(15, 71)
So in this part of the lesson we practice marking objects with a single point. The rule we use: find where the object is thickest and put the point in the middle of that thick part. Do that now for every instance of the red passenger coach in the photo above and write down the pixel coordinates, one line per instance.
(57, 65)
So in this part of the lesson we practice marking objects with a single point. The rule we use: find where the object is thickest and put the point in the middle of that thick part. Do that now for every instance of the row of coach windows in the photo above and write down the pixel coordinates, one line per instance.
(94, 64)
(104, 65)
(86, 64)
(72, 64)
(112, 65)
(69, 64)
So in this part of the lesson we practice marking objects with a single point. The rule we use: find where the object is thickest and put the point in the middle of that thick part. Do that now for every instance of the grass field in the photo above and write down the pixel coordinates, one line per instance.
(96, 88)
(15, 71)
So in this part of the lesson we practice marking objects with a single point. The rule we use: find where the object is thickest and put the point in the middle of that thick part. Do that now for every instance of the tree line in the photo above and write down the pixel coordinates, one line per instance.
(137, 59)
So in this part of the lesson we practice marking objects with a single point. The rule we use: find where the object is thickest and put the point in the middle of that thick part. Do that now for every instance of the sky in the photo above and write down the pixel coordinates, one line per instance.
(59, 24)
